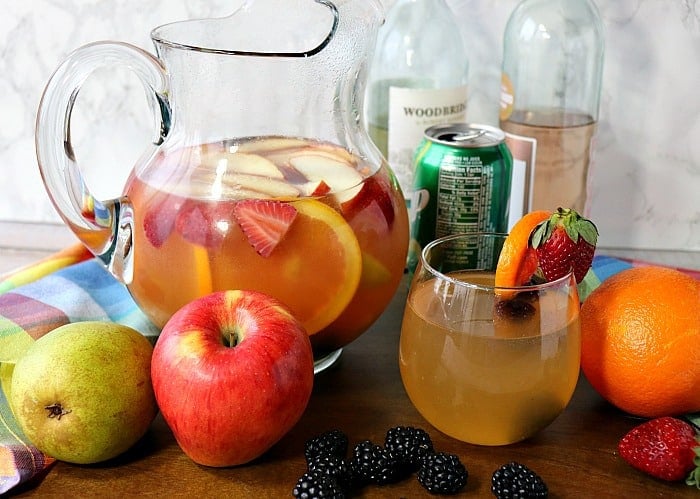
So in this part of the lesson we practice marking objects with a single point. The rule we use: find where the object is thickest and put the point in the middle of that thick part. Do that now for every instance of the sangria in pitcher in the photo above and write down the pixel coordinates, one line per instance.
(261, 175)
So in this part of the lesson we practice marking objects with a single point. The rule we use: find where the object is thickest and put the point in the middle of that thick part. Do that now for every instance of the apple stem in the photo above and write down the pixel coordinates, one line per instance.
(231, 336)
(56, 411)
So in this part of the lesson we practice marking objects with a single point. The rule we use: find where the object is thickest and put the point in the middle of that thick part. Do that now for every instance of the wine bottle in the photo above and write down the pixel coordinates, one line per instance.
(550, 97)
(418, 78)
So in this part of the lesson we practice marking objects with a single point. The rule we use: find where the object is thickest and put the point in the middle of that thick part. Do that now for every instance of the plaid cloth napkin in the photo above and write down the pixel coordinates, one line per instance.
(69, 286)
(72, 286)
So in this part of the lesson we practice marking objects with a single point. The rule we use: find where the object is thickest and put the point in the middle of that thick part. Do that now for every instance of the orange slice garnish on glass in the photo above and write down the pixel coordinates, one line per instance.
(518, 260)
(317, 266)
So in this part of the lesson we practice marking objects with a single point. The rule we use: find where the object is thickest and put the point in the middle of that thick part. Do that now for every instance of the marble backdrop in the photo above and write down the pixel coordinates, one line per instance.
(643, 186)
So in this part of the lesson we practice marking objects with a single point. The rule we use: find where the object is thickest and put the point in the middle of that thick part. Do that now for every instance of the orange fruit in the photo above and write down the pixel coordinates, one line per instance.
(518, 260)
(640, 331)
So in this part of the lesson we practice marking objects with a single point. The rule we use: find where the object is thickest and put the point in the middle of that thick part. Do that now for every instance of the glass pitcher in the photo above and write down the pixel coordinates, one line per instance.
(261, 175)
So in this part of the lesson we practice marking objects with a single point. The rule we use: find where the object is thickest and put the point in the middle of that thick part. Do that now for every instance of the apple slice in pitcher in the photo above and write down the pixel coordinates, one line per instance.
(342, 177)
(239, 162)
(315, 188)
(373, 199)
(268, 145)
(331, 151)
(270, 187)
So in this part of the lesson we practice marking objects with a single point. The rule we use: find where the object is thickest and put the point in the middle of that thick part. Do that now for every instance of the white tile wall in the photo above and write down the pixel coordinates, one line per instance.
(644, 187)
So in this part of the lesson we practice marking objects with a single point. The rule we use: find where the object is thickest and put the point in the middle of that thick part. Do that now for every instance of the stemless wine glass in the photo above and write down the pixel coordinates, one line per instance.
(483, 364)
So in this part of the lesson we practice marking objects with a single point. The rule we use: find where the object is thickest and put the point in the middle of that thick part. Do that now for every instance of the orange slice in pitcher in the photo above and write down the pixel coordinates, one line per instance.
(316, 266)
(202, 275)
(518, 260)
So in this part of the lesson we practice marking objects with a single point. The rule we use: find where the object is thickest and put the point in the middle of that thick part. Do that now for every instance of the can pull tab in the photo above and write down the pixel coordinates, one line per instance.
(465, 135)
(468, 136)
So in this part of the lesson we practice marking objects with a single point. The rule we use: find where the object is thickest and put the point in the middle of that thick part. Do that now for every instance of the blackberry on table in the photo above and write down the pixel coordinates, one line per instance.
(442, 473)
(408, 445)
(317, 486)
(517, 481)
(371, 463)
(333, 467)
(332, 442)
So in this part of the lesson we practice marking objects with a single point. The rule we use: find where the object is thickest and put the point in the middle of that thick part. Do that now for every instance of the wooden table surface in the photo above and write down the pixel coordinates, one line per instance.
(363, 395)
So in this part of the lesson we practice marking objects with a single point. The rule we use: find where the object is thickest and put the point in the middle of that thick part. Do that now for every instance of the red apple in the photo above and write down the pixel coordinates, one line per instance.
(232, 374)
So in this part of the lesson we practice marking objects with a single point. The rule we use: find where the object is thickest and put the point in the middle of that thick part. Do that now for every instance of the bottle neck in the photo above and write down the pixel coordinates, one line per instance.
(553, 61)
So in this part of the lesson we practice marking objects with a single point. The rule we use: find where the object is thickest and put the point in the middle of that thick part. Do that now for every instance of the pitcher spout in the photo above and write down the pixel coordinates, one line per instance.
(267, 70)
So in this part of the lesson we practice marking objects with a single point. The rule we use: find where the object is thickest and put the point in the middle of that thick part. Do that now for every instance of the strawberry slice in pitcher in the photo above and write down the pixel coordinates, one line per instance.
(264, 222)
(159, 220)
(204, 222)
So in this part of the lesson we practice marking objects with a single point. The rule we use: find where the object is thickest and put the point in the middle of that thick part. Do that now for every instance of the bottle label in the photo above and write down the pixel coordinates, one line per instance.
(411, 111)
(524, 151)
(507, 97)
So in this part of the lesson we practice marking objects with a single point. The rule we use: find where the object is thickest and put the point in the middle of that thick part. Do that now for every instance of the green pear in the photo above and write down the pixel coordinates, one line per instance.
(82, 393)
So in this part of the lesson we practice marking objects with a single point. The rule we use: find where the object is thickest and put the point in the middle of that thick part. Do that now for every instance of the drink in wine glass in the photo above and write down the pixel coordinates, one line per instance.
(487, 365)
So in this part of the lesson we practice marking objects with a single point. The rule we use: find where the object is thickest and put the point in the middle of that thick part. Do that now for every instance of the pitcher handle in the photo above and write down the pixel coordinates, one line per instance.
(103, 226)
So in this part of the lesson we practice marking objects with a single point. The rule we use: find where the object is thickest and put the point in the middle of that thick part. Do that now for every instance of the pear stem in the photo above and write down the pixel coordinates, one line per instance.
(56, 411)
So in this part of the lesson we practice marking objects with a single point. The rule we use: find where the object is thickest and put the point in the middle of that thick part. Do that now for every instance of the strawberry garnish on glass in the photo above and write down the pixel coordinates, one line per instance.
(563, 242)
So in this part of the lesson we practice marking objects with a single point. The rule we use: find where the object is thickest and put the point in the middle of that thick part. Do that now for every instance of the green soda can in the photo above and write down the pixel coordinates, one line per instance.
(462, 182)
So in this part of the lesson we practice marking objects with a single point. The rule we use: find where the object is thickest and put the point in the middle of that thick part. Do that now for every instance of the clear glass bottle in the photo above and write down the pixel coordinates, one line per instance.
(550, 95)
(418, 78)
